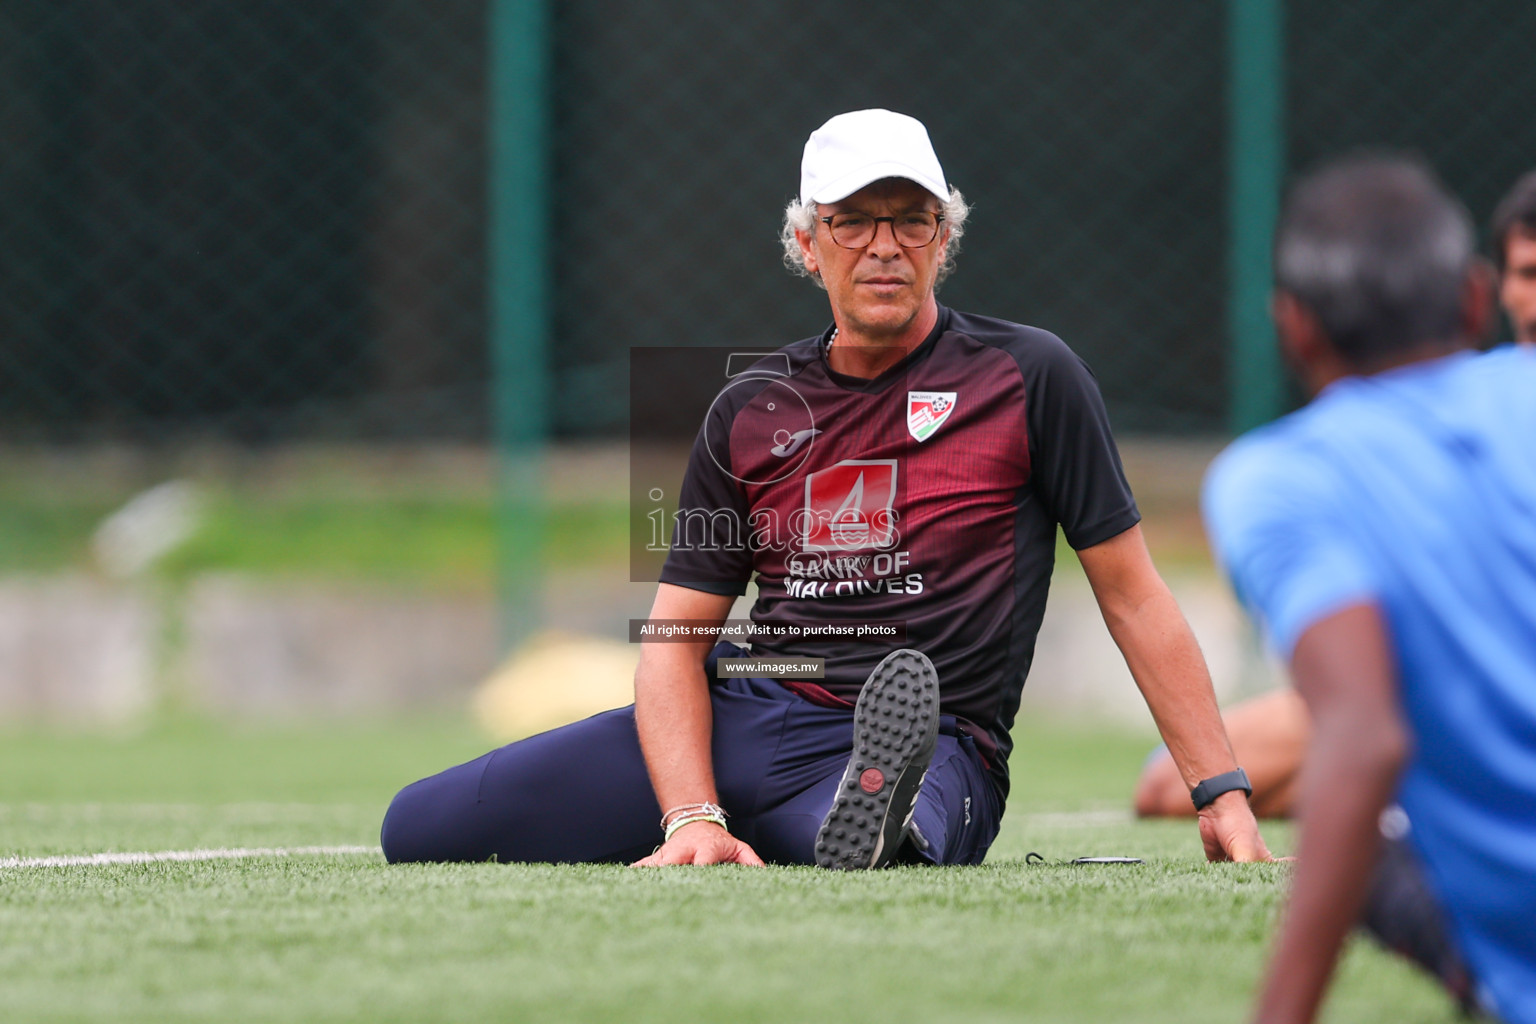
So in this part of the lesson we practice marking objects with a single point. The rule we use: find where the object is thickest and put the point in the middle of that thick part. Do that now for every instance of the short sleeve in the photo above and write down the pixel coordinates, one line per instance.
(1275, 518)
(710, 549)
(1075, 466)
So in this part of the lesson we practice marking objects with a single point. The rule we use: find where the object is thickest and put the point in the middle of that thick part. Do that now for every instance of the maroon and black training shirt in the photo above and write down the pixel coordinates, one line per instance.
(929, 495)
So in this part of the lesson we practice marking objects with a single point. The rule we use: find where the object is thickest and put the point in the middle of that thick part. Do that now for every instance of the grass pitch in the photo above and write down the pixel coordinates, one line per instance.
(344, 938)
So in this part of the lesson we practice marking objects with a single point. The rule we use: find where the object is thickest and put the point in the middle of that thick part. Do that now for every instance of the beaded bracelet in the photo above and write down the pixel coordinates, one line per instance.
(680, 810)
(689, 819)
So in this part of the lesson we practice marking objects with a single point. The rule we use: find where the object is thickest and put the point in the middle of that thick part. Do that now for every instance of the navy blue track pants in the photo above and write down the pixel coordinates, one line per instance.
(580, 793)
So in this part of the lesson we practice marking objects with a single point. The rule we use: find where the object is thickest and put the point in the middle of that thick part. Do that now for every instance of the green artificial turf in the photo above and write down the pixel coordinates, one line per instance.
(348, 938)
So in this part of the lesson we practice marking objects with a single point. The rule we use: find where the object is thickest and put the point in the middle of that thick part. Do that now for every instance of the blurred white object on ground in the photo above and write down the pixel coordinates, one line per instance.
(150, 526)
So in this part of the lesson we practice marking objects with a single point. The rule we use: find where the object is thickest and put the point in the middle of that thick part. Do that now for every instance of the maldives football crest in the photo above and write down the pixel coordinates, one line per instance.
(927, 411)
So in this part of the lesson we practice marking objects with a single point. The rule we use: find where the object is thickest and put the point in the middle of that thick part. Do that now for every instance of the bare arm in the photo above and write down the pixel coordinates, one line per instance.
(1342, 666)
(674, 720)
(1269, 735)
(1161, 652)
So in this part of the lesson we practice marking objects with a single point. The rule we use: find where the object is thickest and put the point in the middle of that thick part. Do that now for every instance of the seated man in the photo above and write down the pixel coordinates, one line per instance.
(1385, 538)
(1269, 733)
(940, 453)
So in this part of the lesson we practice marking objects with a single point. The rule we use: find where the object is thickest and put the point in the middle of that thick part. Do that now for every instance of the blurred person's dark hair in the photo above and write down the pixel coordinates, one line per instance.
(1377, 249)
(1516, 210)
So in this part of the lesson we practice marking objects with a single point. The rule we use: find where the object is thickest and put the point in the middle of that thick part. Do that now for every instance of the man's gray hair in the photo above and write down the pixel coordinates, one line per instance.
(800, 216)
(1377, 249)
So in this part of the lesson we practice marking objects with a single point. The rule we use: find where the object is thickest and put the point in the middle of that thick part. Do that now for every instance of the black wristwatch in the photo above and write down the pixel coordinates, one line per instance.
(1206, 793)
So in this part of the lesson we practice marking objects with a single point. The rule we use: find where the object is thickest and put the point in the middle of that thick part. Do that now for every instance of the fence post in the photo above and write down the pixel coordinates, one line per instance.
(1256, 166)
(517, 297)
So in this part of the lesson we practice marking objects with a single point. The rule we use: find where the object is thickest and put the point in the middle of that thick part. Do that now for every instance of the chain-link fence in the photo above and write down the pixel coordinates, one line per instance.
(1450, 81)
(257, 221)
(267, 221)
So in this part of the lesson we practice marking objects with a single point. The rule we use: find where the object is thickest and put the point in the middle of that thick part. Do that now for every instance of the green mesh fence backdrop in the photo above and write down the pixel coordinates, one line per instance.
(266, 222)
(1451, 81)
(259, 221)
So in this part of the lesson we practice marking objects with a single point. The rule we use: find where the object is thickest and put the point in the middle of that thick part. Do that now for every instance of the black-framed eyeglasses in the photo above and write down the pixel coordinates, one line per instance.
(856, 230)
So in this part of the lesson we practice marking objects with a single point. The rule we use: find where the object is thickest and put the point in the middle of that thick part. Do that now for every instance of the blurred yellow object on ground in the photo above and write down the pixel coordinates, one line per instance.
(554, 679)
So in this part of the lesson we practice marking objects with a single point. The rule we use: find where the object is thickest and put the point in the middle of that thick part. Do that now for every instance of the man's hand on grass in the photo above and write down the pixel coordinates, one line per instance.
(1229, 832)
(702, 842)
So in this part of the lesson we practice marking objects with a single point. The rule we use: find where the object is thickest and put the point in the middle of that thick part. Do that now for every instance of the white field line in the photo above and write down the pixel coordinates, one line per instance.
(151, 857)
(1046, 819)
(249, 809)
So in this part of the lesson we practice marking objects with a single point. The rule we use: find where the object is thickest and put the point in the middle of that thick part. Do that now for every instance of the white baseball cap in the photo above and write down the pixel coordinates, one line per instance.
(852, 150)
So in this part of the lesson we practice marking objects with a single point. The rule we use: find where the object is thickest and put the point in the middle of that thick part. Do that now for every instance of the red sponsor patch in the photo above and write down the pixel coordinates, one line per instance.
(851, 506)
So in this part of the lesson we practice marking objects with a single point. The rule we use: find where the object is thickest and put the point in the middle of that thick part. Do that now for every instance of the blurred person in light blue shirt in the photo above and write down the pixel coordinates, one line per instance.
(1385, 538)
